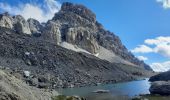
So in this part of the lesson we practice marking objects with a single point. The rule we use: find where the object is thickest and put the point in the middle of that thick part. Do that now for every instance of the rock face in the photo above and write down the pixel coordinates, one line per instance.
(6, 21)
(35, 27)
(21, 25)
(78, 26)
(160, 87)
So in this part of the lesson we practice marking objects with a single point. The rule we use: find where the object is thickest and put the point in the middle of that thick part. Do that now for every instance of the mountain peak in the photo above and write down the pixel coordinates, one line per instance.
(78, 9)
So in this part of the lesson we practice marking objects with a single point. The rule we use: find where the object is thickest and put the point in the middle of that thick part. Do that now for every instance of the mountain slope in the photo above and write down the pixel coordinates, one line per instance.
(59, 66)
(76, 25)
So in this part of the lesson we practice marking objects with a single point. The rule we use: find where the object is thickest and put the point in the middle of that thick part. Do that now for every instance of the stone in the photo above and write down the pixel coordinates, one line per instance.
(26, 73)
(6, 20)
(160, 87)
(35, 27)
(52, 32)
(21, 25)
(161, 77)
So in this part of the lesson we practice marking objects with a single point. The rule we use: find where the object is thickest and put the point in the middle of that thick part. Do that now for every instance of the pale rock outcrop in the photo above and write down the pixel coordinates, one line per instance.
(6, 20)
(21, 25)
(83, 38)
(35, 27)
(52, 32)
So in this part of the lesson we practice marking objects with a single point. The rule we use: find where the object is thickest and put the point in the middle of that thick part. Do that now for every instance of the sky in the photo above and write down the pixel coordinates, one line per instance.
(142, 25)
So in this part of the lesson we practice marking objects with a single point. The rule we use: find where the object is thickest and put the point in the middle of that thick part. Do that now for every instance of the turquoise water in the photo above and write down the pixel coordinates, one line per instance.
(129, 89)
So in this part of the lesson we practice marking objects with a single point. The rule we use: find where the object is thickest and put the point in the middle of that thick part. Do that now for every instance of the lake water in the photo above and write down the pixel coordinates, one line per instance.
(129, 89)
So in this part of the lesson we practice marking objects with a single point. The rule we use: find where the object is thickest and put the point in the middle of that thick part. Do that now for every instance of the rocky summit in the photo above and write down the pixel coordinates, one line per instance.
(70, 50)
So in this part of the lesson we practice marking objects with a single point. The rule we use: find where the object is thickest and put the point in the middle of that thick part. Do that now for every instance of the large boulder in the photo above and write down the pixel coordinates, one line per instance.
(52, 32)
(160, 87)
(6, 20)
(21, 25)
(35, 27)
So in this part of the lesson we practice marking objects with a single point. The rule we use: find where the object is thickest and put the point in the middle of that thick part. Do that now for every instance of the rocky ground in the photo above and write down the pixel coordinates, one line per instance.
(160, 84)
(11, 88)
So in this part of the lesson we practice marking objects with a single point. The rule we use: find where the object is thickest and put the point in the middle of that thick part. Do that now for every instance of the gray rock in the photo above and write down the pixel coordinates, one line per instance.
(160, 87)
(21, 25)
(6, 20)
(35, 27)
(52, 32)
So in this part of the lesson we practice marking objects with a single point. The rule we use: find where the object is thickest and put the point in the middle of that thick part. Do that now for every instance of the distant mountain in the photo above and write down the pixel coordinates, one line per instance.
(71, 49)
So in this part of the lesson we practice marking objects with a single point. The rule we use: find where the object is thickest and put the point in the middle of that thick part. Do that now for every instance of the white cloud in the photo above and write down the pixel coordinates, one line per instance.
(41, 12)
(160, 45)
(142, 58)
(158, 40)
(161, 67)
(165, 3)
(142, 49)
(163, 49)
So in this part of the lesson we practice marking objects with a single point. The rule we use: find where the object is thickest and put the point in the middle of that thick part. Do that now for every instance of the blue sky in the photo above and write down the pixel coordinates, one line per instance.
(134, 21)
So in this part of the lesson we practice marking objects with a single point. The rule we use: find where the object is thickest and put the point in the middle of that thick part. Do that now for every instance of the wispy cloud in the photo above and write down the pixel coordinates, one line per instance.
(165, 3)
(142, 49)
(142, 58)
(41, 12)
(160, 45)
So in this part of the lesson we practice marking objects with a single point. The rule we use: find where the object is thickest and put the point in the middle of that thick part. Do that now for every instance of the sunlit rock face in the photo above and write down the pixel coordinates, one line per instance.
(35, 27)
(6, 20)
(21, 25)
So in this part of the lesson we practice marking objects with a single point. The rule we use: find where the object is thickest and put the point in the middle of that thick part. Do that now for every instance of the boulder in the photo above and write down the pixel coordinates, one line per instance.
(160, 87)
(21, 25)
(52, 32)
(6, 20)
(35, 27)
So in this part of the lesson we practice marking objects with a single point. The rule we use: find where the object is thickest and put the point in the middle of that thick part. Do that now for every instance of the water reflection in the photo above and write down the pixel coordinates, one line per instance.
(129, 89)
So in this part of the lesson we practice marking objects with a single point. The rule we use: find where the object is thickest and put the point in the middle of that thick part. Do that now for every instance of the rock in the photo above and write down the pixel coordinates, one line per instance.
(83, 38)
(161, 77)
(52, 32)
(8, 96)
(21, 25)
(6, 20)
(42, 79)
(26, 73)
(101, 91)
(160, 87)
(12, 88)
(35, 27)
